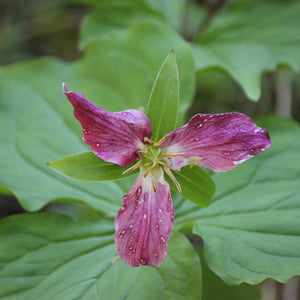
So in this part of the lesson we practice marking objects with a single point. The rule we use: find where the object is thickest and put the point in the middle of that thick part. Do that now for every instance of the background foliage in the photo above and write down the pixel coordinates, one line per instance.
(230, 54)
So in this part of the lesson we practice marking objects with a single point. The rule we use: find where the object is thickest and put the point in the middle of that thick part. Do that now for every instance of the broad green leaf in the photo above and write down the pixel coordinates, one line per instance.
(87, 166)
(48, 256)
(216, 288)
(37, 123)
(251, 230)
(197, 186)
(114, 17)
(249, 38)
(164, 99)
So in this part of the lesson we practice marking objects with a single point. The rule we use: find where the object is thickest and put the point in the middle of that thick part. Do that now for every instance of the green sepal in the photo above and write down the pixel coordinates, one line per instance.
(197, 186)
(164, 98)
(86, 166)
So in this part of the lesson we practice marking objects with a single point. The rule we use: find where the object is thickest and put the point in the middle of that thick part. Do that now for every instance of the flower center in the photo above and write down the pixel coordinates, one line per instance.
(153, 157)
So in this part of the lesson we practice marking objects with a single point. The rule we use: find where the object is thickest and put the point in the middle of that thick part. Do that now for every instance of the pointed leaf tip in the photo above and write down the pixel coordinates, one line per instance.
(164, 98)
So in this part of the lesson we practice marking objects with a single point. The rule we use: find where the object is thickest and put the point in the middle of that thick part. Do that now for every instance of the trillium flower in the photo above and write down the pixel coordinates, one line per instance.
(144, 222)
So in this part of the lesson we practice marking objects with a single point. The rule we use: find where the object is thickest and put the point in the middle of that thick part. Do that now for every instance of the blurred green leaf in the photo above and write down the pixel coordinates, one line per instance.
(249, 38)
(86, 166)
(215, 288)
(244, 40)
(251, 230)
(164, 99)
(37, 122)
(197, 186)
(114, 17)
(48, 256)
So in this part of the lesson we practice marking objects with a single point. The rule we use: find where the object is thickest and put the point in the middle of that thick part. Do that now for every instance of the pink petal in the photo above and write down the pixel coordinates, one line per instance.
(144, 222)
(113, 136)
(219, 142)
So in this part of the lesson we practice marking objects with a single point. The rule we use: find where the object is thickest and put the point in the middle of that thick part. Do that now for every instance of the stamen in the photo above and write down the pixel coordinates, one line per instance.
(174, 155)
(168, 171)
(153, 182)
(134, 167)
(147, 140)
(161, 140)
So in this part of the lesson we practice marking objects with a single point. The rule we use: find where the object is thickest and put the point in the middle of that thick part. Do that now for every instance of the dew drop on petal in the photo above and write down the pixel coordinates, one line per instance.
(139, 191)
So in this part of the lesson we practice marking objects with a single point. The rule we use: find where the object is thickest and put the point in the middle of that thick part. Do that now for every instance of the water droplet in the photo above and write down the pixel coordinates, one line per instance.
(141, 260)
(200, 125)
(97, 145)
(124, 113)
(123, 231)
(133, 250)
(155, 254)
(235, 162)
(145, 216)
(160, 210)
(130, 226)
(262, 149)
(162, 238)
(139, 191)
(196, 139)
(130, 248)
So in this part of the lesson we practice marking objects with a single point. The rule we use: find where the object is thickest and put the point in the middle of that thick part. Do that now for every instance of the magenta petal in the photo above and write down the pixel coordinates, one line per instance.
(113, 136)
(219, 142)
(144, 222)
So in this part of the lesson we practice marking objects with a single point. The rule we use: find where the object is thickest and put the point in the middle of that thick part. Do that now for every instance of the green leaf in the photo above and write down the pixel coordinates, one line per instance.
(48, 256)
(197, 186)
(37, 124)
(164, 99)
(249, 38)
(87, 166)
(215, 288)
(251, 231)
(114, 17)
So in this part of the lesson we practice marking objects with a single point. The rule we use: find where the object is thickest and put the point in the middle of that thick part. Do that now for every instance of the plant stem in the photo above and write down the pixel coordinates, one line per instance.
(212, 12)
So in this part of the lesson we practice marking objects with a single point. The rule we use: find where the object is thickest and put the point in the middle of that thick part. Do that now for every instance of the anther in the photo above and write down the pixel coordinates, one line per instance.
(161, 141)
(134, 167)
